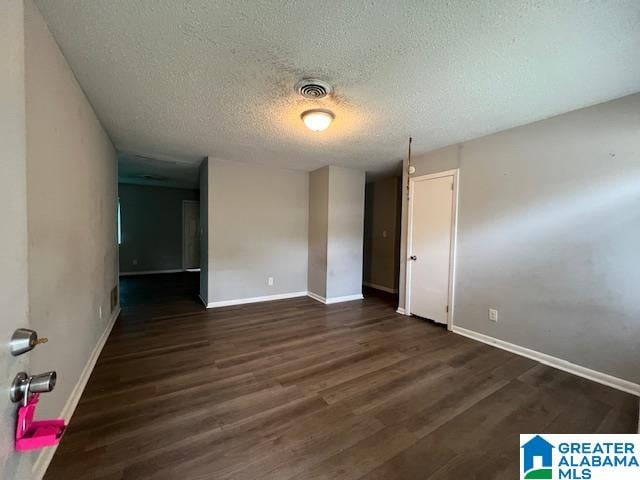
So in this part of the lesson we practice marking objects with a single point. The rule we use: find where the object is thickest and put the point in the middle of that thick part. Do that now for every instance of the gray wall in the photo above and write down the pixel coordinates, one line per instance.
(204, 230)
(257, 229)
(336, 224)
(346, 230)
(151, 227)
(549, 234)
(382, 233)
(13, 241)
(318, 230)
(71, 188)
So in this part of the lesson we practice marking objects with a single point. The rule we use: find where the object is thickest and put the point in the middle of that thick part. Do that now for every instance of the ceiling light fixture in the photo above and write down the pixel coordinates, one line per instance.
(317, 120)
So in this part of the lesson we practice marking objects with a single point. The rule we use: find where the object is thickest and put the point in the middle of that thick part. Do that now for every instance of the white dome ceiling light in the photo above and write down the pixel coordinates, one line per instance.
(317, 120)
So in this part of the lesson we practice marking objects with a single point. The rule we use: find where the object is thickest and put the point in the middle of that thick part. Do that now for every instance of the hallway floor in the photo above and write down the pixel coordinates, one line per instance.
(297, 389)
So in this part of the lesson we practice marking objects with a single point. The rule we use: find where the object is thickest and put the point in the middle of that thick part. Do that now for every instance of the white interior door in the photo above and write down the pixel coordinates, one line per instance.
(191, 234)
(430, 246)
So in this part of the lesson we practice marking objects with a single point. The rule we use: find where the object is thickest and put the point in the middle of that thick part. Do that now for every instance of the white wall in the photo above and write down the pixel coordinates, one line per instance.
(257, 229)
(71, 187)
(549, 234)
(13, 240)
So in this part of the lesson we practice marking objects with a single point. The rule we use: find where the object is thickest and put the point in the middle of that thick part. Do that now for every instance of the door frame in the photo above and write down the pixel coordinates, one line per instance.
(184, 202)
(452, 249)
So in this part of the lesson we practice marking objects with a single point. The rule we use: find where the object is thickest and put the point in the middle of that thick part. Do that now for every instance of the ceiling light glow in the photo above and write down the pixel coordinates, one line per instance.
(317, 120)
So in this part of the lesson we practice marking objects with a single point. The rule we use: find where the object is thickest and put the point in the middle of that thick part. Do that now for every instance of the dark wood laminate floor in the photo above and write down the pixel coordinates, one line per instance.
(296, 389)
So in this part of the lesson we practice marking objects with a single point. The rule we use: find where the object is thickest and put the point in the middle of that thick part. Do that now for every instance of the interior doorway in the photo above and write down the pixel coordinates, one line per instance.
(381, 242)
(155, 249)
(431, 246)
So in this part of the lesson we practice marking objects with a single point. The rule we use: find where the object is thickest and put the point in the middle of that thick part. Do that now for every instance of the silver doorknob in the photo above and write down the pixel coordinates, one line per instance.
(24, 385)
(413, 257)
(43, 383)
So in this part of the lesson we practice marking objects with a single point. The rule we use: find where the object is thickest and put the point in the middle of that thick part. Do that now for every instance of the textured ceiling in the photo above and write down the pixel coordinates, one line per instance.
(187, 79)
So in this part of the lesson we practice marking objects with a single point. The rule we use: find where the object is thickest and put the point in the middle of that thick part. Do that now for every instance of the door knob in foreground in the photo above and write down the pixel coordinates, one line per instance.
(23, 385)
(43, 383)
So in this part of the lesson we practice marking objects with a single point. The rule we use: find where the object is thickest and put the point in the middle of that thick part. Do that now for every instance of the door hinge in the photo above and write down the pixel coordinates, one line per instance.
(447, 308)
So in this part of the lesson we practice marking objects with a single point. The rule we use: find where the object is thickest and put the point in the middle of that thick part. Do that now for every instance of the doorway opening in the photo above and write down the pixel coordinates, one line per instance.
(382, 224)
(159, 220)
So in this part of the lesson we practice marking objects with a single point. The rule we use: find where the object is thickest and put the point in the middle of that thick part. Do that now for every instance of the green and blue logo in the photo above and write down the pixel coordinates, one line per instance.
(537, 461)
(580, 457)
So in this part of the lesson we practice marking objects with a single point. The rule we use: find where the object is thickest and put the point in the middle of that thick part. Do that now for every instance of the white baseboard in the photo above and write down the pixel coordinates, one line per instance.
(380, 287)
(401, 311)
(152, 272)
(346, 298)
(316, 297)
(593, 375)
(267, 298)
(328, 301)
(282, 296)
(44, 458)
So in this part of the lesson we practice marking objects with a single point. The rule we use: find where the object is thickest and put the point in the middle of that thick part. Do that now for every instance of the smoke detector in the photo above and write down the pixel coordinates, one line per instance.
(313, 88)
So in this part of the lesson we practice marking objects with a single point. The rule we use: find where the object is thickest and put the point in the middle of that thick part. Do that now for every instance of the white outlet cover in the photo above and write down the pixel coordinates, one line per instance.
(270, 281)
(493, 314)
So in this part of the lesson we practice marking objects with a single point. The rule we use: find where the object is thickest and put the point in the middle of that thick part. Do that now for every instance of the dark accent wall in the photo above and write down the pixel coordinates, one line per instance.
(151, 227)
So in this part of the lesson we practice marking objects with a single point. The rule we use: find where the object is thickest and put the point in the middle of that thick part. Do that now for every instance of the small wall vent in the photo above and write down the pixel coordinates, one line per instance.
(313, 88)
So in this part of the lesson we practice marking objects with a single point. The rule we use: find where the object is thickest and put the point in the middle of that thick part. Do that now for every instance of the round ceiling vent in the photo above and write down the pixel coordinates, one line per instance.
(313, 88)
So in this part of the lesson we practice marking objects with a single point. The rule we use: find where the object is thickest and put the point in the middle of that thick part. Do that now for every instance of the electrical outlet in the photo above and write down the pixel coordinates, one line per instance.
(100, 312)
(493, 314)
(270, 281)
(135, 261)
